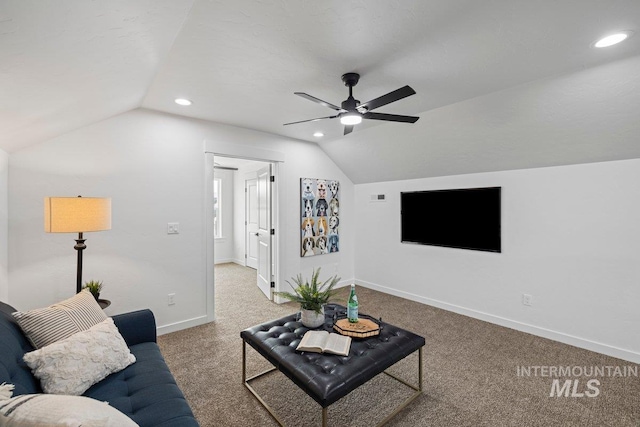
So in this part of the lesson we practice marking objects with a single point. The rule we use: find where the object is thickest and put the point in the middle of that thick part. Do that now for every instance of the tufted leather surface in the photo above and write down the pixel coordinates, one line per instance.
(327, 377)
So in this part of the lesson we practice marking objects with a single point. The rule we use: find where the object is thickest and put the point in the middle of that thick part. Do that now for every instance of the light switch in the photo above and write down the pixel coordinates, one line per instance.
(172, 228)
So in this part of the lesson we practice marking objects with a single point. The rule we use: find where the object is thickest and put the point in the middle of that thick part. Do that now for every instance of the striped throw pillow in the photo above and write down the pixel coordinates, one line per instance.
(44, 326)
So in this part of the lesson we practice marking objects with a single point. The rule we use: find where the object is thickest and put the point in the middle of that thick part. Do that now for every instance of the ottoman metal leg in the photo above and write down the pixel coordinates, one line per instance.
(245, 380)
(418, 390)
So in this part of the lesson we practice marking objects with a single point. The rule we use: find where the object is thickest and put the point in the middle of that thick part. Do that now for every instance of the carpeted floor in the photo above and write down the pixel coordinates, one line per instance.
(470, 371)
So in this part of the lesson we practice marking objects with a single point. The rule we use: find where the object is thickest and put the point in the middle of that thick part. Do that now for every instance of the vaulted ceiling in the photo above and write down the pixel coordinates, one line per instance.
(501, 84)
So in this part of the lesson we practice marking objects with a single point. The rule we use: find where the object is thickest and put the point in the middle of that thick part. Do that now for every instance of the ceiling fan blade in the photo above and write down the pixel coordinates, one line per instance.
(311, 120)
(348, 129)
(390, 117)
(394, 96)
(318, 100)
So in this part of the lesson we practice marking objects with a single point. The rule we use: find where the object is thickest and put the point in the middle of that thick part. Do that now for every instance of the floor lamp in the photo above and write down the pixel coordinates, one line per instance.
(77, 215)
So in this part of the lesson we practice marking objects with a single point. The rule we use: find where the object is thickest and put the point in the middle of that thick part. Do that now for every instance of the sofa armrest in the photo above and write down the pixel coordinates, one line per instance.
(136, 326)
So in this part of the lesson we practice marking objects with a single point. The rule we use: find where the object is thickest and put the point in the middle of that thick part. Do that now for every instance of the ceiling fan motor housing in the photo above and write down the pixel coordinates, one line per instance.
(350, 104)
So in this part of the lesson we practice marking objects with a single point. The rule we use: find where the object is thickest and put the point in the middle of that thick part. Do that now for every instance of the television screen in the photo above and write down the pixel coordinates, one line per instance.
(461, 218)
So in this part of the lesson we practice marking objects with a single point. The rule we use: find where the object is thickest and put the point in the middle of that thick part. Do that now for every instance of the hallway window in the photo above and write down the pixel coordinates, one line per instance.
(217, 208)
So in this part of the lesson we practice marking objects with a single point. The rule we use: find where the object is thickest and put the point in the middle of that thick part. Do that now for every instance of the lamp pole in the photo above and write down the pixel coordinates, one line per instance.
(80, 246)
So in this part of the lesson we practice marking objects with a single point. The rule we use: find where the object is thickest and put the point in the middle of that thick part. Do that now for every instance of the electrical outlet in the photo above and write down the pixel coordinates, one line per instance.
(171, 299)
(527, 299)
(172, 228)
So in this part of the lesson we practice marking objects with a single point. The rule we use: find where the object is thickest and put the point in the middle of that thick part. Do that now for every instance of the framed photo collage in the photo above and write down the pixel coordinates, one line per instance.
(320, 218)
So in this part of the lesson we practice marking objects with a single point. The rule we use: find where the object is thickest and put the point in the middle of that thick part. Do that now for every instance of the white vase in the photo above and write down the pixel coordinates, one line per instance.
(311, 319)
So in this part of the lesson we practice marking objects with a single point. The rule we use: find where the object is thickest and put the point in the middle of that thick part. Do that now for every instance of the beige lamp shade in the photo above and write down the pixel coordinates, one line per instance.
(76, 214)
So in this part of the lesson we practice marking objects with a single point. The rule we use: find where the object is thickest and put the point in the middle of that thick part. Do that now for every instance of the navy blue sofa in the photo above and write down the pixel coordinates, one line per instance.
(145, 391)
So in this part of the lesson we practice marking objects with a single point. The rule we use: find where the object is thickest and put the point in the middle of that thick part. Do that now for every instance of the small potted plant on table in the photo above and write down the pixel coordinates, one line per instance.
(94, 287)
(312, 296)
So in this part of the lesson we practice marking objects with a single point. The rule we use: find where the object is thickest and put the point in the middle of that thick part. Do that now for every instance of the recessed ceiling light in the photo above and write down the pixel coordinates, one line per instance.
(612, 39)
(183, 101)
(318, 134)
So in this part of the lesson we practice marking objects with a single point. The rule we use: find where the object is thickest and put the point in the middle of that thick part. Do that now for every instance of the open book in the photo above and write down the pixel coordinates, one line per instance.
(325, 342)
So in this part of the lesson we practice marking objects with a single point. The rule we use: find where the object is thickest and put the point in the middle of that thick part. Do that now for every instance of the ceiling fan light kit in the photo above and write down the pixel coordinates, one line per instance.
(351, 111)
(351, 119)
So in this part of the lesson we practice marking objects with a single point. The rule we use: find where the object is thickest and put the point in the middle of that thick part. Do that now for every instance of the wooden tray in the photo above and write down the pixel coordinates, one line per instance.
(362, 329)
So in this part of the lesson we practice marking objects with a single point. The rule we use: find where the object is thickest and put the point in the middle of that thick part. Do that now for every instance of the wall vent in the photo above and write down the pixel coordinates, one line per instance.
(378, 198)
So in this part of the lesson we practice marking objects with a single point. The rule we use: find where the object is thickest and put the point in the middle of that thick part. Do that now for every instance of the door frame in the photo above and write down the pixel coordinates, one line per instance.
(211, 150)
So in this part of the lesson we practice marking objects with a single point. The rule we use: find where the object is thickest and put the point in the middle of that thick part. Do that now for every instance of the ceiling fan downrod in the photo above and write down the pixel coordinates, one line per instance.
(350, 80)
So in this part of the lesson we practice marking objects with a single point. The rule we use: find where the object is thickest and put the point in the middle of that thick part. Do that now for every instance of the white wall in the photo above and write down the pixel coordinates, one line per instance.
(4, 226)
(570, 238)
(152, 166)
(224, 245)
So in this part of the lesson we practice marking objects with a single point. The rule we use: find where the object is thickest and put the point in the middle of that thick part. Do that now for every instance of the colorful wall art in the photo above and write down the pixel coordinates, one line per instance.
(319, 216)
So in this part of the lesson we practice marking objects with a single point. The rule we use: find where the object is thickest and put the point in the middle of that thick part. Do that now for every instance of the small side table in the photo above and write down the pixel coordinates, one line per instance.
(104, 303)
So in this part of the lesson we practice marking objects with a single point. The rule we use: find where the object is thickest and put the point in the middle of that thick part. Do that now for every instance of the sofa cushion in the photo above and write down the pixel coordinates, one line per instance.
(47, 325)
(72, 365)
(146, 391)
(37, 410)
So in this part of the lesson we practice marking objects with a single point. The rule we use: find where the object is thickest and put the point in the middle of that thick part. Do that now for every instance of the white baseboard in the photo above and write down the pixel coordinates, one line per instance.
(178, 326)
(508, 323)
(343, 283)
(230, 260)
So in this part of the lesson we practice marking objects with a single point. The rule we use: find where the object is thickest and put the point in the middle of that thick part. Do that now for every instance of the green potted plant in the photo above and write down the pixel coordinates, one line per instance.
(312, 296)
(94, 287)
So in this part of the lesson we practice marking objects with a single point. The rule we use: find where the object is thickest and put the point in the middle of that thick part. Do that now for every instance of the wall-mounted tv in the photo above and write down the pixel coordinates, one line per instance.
(467, 218)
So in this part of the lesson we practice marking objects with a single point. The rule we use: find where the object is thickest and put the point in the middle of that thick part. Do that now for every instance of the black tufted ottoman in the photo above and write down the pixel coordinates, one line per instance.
(327, 377)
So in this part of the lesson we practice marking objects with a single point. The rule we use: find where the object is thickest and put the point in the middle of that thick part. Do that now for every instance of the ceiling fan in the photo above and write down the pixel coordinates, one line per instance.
(351, 112)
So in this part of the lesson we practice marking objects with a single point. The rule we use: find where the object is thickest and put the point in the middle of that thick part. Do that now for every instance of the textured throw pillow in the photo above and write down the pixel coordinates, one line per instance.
(44, 326)
(38, 410)
(72, 365)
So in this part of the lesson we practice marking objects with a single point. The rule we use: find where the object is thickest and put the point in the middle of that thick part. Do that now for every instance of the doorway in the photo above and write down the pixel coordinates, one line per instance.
(242, 217)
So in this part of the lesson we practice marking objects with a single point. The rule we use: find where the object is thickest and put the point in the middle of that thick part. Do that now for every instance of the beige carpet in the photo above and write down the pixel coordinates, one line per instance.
(470, 371)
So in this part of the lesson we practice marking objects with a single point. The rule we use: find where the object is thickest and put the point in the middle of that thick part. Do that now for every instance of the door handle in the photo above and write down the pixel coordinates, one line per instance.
(257, 234)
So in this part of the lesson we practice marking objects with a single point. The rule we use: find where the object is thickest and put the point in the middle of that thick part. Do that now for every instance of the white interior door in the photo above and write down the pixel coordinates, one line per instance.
(264, 230)
(251, 221)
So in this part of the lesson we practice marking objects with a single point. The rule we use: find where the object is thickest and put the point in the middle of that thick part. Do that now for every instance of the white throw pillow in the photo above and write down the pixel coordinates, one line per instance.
(38, 410)
(44, 326)
(74, 364)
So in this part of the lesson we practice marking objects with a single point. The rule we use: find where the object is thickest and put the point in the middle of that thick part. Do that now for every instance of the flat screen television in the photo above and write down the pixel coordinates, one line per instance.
(467, 218)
